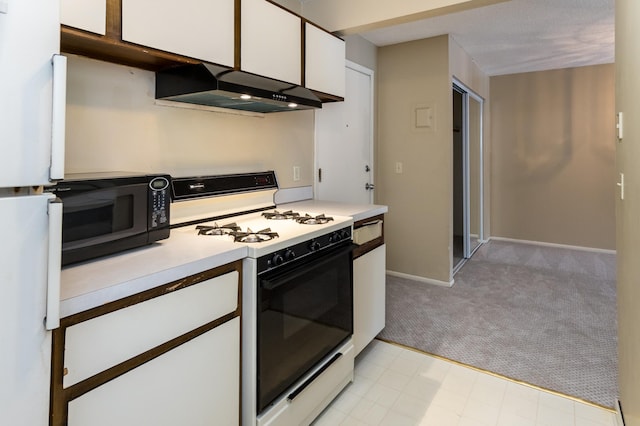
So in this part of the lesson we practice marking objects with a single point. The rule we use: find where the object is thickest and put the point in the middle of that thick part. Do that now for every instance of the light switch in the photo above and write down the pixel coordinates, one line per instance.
(621, 185)
(398, 167)
(4, 7)
(619, 125)
(296, 173)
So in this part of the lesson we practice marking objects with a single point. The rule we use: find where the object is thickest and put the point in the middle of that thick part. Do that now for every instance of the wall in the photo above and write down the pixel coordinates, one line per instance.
(553, 156)
(628, 210)
(113, 124)
(361, 51)
(418, 226)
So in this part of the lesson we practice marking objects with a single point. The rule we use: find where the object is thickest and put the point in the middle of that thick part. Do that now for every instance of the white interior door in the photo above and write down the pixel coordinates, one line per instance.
(344, 142)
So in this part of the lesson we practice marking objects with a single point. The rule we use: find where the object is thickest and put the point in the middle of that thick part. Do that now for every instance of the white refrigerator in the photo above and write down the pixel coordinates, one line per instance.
(32, 105)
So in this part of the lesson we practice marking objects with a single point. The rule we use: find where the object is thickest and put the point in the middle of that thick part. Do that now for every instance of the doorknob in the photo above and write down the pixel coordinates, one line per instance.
(369, 186)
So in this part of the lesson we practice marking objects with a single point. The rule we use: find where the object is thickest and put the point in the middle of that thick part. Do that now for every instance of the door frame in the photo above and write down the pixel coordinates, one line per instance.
(369, 72)
(466, 94)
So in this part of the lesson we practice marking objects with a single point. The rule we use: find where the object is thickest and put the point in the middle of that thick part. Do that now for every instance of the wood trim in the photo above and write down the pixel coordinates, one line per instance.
(60, 397)
(75, 41)
(303, 53)
(326, 97)
(237, 34)
(114, 20)
(369, 245)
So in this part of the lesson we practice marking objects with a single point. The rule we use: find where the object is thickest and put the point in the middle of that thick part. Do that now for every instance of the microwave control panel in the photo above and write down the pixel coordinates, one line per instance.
(159, 200)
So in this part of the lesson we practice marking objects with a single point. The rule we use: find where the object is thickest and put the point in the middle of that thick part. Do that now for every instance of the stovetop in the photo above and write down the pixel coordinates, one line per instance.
(262, 235)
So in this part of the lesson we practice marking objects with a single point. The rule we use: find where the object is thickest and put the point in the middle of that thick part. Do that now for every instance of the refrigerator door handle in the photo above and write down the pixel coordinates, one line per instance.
(56, 171)
(53, 269)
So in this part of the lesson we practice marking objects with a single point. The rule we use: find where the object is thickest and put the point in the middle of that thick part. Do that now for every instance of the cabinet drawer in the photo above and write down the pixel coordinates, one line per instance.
(102, 342)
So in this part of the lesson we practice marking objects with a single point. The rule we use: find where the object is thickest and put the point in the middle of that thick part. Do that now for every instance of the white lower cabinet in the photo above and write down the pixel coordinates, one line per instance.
(194, 384)
(368, 296)
(164, 357)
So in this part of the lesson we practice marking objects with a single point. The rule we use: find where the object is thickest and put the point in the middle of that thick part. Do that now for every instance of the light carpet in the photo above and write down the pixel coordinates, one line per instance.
(542, 315)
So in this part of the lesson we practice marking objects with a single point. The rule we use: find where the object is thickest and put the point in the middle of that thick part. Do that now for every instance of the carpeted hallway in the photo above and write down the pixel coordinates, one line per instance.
(542, 315)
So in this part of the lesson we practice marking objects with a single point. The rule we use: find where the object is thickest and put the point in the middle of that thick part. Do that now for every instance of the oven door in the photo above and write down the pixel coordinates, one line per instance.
(304, 312)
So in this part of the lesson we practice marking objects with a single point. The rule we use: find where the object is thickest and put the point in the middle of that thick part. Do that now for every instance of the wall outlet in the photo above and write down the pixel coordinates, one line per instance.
(296, 173)
(398, 167)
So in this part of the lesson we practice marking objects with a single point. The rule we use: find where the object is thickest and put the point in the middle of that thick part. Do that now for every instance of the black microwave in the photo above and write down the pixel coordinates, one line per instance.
(105, 213)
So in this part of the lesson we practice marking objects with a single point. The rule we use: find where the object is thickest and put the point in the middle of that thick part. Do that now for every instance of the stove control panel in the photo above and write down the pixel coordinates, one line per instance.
(302, 250)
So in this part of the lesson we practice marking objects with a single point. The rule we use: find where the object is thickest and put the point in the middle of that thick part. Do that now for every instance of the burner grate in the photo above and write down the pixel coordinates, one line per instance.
(276, 215)
(217, 230)
(313, 220)
(254, 237)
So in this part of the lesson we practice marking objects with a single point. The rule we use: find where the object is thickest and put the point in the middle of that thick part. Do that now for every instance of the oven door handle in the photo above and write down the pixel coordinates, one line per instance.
(314, 376)
(278, 281)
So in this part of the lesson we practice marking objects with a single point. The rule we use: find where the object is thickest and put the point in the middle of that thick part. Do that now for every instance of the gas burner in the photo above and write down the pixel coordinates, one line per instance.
(217, 230)
(253, 237)
(276, 215)
(313, 220)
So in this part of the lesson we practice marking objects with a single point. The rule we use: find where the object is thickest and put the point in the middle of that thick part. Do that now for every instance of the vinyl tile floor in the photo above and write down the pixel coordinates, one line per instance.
(396, 386)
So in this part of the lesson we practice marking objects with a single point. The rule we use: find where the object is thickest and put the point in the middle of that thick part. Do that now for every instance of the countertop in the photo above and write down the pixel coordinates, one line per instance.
(356, 211)
(94, 283)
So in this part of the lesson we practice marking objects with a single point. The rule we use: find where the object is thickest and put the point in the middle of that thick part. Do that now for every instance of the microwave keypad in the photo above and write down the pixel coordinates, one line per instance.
(159, 206)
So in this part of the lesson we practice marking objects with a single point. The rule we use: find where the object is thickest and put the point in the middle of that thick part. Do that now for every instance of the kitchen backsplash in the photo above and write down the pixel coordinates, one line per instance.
(113, 124)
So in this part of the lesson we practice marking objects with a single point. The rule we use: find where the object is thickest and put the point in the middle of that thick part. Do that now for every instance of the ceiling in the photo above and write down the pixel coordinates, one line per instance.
(520, 35)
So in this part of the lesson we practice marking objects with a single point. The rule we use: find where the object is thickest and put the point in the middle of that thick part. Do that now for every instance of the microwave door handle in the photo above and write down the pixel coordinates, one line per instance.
(58, 117)
(52, 319)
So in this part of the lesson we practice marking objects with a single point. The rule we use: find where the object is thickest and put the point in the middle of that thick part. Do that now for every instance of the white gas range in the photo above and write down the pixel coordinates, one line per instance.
(297, 300)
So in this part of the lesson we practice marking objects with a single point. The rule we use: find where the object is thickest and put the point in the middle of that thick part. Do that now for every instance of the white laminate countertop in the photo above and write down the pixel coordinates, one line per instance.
(94, 283)
(356, 211)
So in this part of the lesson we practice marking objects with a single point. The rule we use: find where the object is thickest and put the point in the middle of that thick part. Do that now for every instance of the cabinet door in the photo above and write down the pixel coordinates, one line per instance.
(324, 61)
(368, 296)
(271, 41)
(197, 383)
(201, 29)
(88, 15)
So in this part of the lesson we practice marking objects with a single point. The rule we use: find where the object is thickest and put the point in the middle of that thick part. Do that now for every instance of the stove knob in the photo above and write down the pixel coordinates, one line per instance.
(314, 245)
(344, 234)
(277, 259)
(289, 255)
(335, 237)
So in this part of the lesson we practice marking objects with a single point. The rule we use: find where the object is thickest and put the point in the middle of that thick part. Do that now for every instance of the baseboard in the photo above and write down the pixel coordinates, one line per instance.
(421, 279)
(619, 416)
(542, 243)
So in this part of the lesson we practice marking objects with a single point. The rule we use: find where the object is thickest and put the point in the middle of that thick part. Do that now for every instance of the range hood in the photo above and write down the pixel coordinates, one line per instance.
(213, 85)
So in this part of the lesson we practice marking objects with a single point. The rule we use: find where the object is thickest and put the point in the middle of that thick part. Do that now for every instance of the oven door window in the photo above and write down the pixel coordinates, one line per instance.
(304, 313)
(103, 215)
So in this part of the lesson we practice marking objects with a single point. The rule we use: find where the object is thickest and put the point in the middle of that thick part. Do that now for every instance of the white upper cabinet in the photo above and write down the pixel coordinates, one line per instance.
(324, 61)
(201, 29)
(88, 15)
(271, 41)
